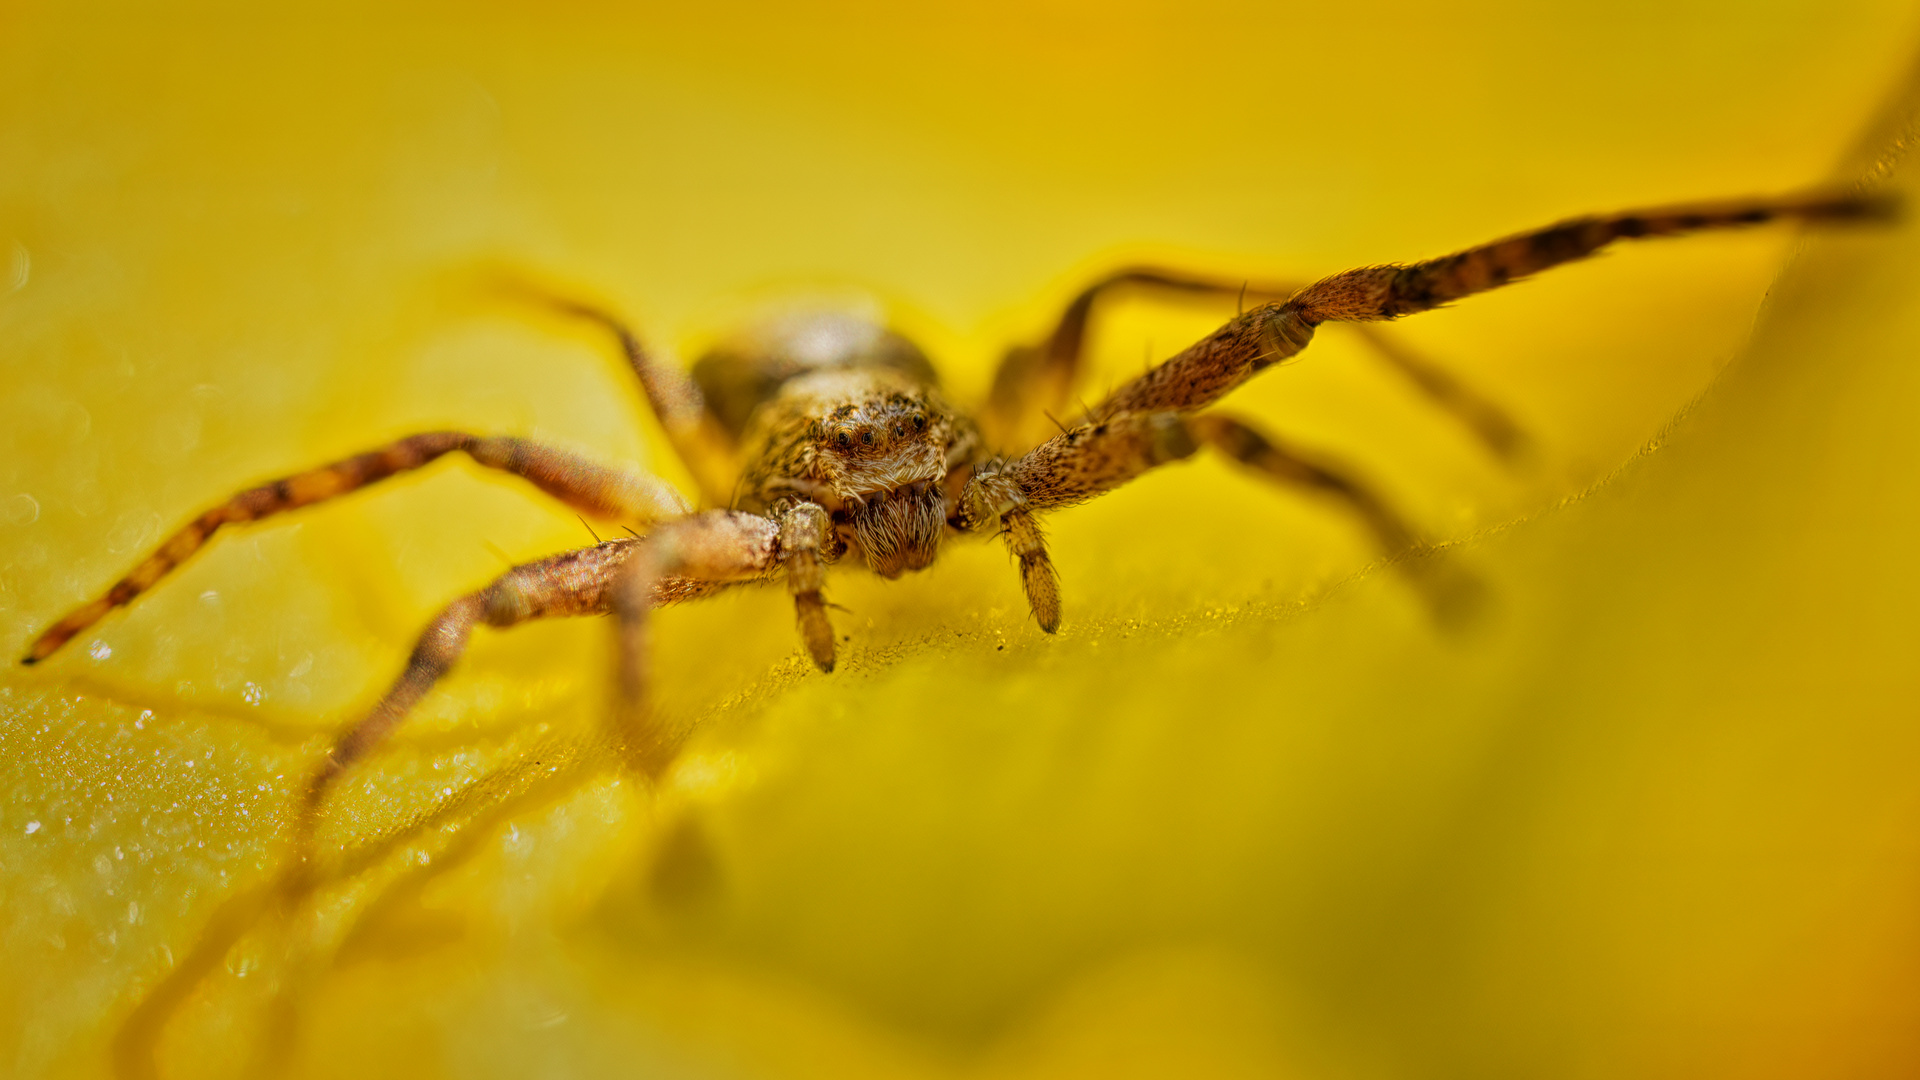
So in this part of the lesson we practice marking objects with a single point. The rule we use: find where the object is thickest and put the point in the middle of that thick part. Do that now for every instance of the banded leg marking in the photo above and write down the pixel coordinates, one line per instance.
(1095, 458)
(676, 401)
(716, 546)
(1269, 334)
(1033, 381)
(585, 485)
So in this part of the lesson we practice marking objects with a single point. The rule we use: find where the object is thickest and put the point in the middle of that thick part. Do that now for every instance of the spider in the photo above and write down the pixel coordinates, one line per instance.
(850, 448)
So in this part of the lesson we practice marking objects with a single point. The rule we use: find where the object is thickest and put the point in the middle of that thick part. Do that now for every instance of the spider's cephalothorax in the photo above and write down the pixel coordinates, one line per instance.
(849, 416)
(816, 436)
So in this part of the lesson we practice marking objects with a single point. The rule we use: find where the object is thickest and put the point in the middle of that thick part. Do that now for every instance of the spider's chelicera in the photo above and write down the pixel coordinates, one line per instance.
(820, 438)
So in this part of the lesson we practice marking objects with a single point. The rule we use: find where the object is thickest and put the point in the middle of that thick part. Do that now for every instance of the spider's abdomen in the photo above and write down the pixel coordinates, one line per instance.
(748, 371)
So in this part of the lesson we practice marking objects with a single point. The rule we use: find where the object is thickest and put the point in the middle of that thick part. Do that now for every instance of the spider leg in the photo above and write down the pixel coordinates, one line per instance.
(714, 546)
(585, 485)
(572, 583)
(699, 441)
(1451, 593)
(1095, 458)
(805, 529)
(1269, 334)
(1492, 425)
(1035, 380)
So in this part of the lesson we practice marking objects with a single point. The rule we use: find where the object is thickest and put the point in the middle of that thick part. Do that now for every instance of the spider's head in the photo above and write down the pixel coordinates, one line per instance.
(875, 441)
(871, 433)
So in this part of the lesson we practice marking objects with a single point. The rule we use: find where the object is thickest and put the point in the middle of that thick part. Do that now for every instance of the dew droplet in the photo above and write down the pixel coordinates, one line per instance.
(22, 509)
(99, 650)
(32, 827)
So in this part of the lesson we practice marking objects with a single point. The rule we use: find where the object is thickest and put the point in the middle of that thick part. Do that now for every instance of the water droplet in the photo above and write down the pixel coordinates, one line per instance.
(253, 694)
(22, 509)
(32, 827)
(20, 268)
(99, 650)
(242, 963)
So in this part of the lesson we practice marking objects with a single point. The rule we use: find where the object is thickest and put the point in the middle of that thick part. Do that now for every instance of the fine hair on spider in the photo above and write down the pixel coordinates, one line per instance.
(814, 438)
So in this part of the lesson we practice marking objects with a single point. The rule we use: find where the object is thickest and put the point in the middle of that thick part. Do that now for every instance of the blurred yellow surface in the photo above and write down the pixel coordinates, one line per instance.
(1247, 815)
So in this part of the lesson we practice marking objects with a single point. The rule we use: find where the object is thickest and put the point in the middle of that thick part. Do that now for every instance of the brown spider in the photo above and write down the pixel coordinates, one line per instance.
(849, 446)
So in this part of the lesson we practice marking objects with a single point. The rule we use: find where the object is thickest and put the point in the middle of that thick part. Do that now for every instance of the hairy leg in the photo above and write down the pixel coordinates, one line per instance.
(1034, 381)
(699, 441)
(572, 583)
(805, 534)
(1272, 333)
(617, 494)
(720, 546)
(1095, 458)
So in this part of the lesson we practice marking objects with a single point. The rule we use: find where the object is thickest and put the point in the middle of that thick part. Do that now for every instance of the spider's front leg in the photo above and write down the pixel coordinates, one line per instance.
(1034, 382)
(715, 546)
(1144, 423)
(574, 583)
(1273, 333)
(608, 492)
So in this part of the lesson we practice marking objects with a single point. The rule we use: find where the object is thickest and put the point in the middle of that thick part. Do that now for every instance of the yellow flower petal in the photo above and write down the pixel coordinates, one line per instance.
(1248, 815)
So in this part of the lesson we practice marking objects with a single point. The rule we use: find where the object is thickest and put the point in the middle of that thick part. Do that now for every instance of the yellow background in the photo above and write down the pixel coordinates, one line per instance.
(1247, 815)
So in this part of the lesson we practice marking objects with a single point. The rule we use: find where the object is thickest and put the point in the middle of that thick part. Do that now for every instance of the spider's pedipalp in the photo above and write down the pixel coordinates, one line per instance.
(1095, 458)
(805, 532)
(1038, 579)
(717, 546)
(607, 492)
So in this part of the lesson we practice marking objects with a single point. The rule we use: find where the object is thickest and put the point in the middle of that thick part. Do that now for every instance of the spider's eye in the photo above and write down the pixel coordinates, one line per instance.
(842, 440)
(866, 437)
(919, 421)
